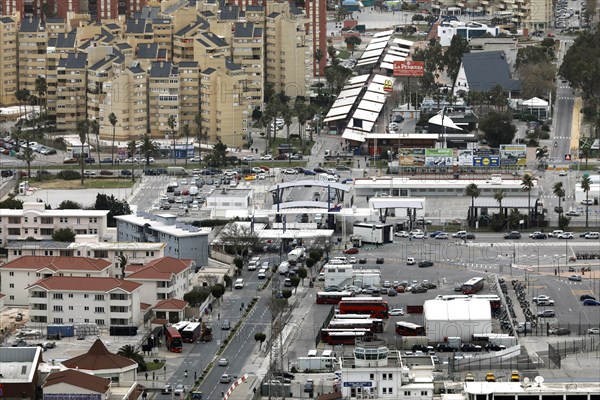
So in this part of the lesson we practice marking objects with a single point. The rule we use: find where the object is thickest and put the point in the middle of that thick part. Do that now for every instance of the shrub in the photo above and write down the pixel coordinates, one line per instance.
(69, 175)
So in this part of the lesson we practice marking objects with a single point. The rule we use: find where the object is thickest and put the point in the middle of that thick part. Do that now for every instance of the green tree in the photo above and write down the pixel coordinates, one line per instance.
(336, 76)
(537, 80)
(260, 338)
(287, 121)
(454, 55)
(559, 192)
(64, 235)
(95, 129)
(28, 136)
(115, 207)
(147, 148)
(473, 191)
(499, 196)
(130, 352)
(22, 96)
(295, 280)
(498, 128)
(433, 57)
(217, 290)
(286, 293)
(69, 205)
(238, 238)
(217, 157)
(585, 186)
(239, 264)
(112, 118)
(302, 274)
(11, 204)
(514, 218)
(563, 222)
(527, 185)
(352, 42)
(172, 123)
(196, 296)
(83, 127)
(41, 87)
(531, 55)
(186, 134)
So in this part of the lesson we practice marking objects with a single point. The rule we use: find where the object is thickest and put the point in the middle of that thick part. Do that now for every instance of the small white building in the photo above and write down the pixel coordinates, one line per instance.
(456, 318)
(162, 279)
(230, 202)
(351, 274)
(467, 30)
(20, 273)
(378, 372)
(74, 300)
(71, 383)
(37, 222)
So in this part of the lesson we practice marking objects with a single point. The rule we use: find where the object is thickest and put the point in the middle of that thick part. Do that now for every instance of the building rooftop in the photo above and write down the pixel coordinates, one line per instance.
(29, 24)
(533, 387)
(99, 358)
(56, 264)
(170, 304)
(230, 193)
(486, 69)
(162, 269)
(78, 379)
(162, 223)
(85, 284)
(163, 69)
(19, 364)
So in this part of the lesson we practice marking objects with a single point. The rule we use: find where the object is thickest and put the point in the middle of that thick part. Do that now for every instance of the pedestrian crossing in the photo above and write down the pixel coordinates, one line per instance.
(550, 243)
(566, 98)
(562, 137)
(549, 196)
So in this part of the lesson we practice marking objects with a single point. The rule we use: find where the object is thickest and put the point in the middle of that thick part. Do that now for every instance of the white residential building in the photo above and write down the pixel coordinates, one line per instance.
(228, 203)
(467, 30)
(37, 222)
(377, 372)
(90, 246)
(22, 272)
(74, 300)
(162, 279)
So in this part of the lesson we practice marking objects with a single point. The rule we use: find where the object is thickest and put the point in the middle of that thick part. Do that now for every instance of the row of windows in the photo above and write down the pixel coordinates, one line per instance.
(99, 322)
(59, 296)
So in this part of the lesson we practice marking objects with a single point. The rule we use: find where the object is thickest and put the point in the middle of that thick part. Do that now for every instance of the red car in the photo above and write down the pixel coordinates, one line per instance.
(264, 168)
(352, 250)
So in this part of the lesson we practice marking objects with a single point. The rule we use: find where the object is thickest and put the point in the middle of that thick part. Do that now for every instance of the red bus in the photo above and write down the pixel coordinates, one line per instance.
(494, 300)
(173, 340)
(345, 336)
(473, 285)
(331, 297)
(372, 324)
(409, 329)
(374, 306)
(191, 333)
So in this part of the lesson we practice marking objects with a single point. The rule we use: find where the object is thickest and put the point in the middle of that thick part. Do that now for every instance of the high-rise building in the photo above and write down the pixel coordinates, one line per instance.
(247, 50)
(32, 45)
(8, 61)
(71, 91)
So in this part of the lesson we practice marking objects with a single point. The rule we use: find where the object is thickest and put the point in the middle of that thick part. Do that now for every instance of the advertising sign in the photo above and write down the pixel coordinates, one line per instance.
(465, 157)
(409, 68)
(486, 161)
(513, 154)
(412, 157)
(388, 85)
(439, 157)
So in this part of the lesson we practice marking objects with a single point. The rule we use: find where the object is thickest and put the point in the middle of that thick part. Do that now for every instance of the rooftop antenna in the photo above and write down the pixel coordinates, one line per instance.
(539, 380)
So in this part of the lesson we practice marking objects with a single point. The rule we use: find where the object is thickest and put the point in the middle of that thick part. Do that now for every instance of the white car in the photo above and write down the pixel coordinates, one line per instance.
(566, 235)
(442, 235)
(257, 170)
(387, 284)
(588, 202)
(248, 158)
(89, 172)
(420, 235)
(415, 232)
(562, 173)
(541, 297)
(403, 234)
(573, 213)
(290, 171)
(352, 260)
(396, 312)
(223, 362)
(593, 331)
(266, 157)
(261, 177)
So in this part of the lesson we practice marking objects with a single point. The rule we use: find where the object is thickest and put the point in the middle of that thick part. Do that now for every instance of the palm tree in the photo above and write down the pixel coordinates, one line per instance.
(559, 192)
(473, 191)
(28, 153)
(527, 184)
(131, 150)
(198, 121)
(130, 352)
(147, 147)
(82, 130)
(172, 122)
(287, 120)
(22, 95)
(41, 87)
(112, 118)
(585, 186)
(318, 57)
(186, 133)
(499, 196)
(95, 128)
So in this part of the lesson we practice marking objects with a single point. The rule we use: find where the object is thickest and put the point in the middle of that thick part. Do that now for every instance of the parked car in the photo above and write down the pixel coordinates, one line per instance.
(425, 264)
(590, 302)
(397, 312)
(543, 303)
(444, 348)
(403, 234)
(352, 250)
(225, 378)
(593, 331)
(565, 235)
(379, 260)
(470, 347)
(546, 314)
(494, 347)
(559, 331)
(575, 278)
(512, 235)
(441, 236)
(586, 297)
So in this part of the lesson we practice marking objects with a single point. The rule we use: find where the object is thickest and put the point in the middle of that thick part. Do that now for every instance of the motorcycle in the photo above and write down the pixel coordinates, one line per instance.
(571, 269)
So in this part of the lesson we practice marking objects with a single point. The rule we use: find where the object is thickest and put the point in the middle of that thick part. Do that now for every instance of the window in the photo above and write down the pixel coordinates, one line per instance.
(57, 296)
(12, 285)
(407, 393)
(423, 392)
(99, 297)
(70, 295)
(11, 273)
(58, 308)
(70, 308)
(390, 390)
(86, 308)
(371, 377)
(384, 390)
(99, 310)
(58, 320)
(48, 252)
(99, 322)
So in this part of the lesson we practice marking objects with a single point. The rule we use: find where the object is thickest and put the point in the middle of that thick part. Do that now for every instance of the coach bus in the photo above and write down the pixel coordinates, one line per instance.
(494, 300)
(173, 340)
(180, 326)
(473, 285)
(376, 307)
(344, 336)
(191, 333)
(409, 329)
(331, 297)
(372, 324)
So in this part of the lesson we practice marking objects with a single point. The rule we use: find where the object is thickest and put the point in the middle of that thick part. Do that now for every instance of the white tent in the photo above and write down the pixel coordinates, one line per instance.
(535, 102)
(447, 122)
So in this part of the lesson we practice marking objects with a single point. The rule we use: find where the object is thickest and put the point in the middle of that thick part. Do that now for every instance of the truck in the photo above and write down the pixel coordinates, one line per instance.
(283, 268)
(338, 156)
(297, 254)
(316, 363)
(177, 171)
(206, 333)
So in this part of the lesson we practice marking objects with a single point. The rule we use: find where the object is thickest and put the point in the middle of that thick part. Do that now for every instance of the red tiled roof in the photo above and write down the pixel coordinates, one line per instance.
(78, 379)
(58, 263)
(2, 295)
(88, 284)
(161, 269)
(98, 358)
(170, 304)
(159, 321)
(145, 306)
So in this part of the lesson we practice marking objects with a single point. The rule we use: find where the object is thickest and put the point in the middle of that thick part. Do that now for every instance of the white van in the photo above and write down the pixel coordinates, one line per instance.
(194, 190)
(262, 274)
(312, 353)
(284, 268)
(328, 353)
(239, 284)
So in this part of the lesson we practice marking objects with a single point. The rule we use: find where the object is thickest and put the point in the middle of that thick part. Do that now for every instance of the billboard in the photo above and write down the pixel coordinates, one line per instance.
(465, 157)
(439, 157)
(486, 161)
(513, 154)
(412, 157)
(388, 86)
(409, 68)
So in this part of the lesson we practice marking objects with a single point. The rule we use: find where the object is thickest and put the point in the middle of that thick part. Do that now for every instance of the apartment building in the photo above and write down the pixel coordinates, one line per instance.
(224, 116)
(32, 47)
(158, 31)
(25, 8)
(55, 26)
(181, 240)
(289, 65)
(183, 40)
(210, 50)
(316, 13)
(126, 97)
(100, 60)
(162, 279)
(8, 61)
(71, 91)
(22, 272)
(58, 47)
(189, 91)
(247, 51)
(75, 300)
(90, 246)
(37, 222)
(539, 15)
(164, 99)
